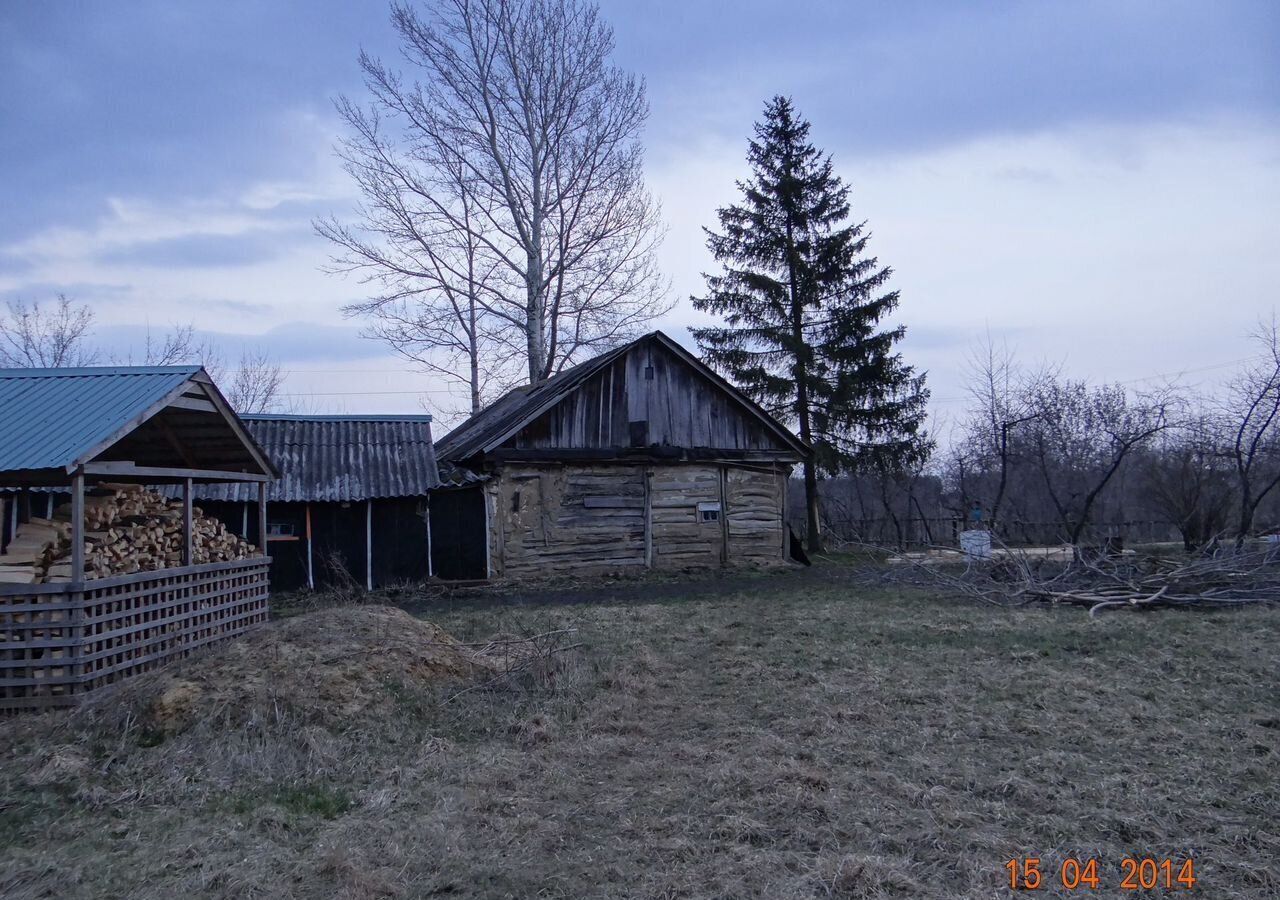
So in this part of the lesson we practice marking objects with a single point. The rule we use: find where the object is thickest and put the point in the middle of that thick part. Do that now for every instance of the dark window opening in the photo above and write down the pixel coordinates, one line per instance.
(639, 433)
(515, 502)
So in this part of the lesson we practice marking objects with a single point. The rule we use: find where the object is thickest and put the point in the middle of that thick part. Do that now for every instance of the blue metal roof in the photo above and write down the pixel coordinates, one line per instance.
(52, 417)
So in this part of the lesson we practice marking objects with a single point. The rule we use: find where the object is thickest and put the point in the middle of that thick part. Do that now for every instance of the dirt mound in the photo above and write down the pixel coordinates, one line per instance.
(333, 666)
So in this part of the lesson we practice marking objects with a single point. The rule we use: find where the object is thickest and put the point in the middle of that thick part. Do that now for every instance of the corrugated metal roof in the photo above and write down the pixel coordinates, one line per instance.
(339, 458)
(53, 416)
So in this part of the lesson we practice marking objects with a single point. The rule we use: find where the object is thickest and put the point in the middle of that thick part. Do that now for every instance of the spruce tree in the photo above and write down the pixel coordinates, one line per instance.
(802, 302)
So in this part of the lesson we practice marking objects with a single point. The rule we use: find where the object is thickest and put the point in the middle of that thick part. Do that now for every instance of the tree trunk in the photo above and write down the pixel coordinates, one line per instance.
(1247, 507)
(474, 347)
(812, 525)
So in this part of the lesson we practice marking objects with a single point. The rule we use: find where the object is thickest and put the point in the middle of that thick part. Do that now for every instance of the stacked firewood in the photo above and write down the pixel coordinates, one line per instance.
(127, 529)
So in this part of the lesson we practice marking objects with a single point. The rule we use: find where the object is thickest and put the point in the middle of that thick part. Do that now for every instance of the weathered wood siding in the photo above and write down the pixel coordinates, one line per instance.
(756, 515)
(582, 519)
(568, 520)
(680, 539)
(676, 407)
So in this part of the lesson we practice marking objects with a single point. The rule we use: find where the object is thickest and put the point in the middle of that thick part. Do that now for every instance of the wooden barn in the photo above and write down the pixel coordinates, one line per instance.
(349, 508)
(640, 458)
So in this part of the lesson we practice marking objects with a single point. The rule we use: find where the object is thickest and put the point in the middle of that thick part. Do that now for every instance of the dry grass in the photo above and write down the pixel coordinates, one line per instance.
(796, 741)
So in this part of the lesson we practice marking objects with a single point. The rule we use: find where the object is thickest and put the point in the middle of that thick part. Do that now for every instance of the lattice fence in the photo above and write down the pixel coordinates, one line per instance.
(57, 644)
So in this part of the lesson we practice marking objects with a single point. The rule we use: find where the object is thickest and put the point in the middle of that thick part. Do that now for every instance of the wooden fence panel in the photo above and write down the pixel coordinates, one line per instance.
(57, 644)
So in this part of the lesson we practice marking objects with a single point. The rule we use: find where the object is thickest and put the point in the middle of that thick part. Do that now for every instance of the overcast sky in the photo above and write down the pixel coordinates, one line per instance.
(1098, 183)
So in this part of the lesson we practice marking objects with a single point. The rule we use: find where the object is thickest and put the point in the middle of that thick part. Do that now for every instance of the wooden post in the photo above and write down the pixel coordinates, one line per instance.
(430, 563)
(2, 502)
(490, 537)
(188, 525)
(648, 518)
(368, 545)
(311, 580)
(244, 521)
(77, 527)
(724, 515)
(262, 518)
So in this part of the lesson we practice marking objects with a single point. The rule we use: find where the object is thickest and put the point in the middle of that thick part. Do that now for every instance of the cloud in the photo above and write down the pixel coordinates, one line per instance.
(91, 293)
(244, 307)
(197, 251)
(290, 342)
(306, 341)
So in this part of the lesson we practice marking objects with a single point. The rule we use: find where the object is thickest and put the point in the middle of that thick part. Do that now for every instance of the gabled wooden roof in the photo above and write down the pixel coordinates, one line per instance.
(493, 426)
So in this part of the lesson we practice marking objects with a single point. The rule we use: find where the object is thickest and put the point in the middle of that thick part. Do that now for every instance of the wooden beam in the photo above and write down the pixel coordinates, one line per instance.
(311, 579)
(188, 525)
(215, 397)
(262, 522)
(724, 516)
(124, 468)
(368, 545)
(427, 516)
(190, 403)
(77, 527)
(648, 518)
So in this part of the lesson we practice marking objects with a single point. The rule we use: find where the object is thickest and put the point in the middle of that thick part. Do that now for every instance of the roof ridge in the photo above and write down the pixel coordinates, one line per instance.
(96, 371)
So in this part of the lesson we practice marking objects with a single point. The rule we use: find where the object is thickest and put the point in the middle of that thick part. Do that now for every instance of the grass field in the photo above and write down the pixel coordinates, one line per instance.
(794, 738)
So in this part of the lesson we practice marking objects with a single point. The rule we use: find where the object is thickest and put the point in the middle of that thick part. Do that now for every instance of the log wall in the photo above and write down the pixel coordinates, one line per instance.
(58, 642)
(584, 519)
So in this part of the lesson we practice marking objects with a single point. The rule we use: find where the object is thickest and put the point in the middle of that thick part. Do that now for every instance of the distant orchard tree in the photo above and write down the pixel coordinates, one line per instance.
(1187, 479)
(802, 303)
(1252, 410)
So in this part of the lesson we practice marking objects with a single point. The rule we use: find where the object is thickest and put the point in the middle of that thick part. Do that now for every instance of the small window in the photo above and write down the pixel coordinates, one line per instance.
(515, 501)
(708, 512)
(639, 432)
(279, 529)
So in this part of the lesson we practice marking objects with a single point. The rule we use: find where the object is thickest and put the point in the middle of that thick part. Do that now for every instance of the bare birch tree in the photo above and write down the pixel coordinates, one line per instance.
(436, 274)
(504, 192)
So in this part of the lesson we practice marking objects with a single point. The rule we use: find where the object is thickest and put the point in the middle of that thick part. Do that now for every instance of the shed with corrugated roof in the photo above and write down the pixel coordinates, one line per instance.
(350, 505)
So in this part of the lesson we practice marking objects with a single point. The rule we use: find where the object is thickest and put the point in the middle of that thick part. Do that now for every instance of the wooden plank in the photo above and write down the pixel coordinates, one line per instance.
(311, 579)
(125, 468)
(648, 519)
(185, 402)
(262, 518)
(188, 524)
(77, 527)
